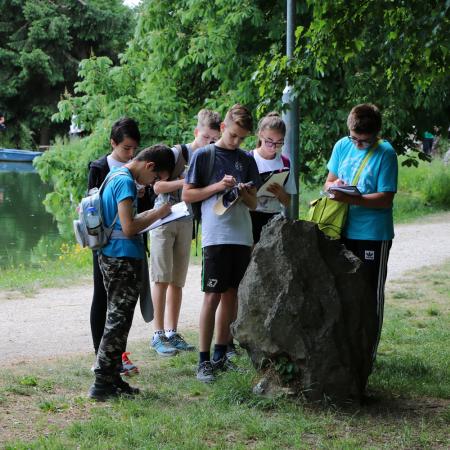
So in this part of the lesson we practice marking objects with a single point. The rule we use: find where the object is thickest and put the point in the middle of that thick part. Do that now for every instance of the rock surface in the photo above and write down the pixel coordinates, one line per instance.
(304, 313)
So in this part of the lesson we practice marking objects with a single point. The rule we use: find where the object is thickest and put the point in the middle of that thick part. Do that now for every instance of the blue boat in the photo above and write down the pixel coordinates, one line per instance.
(9, 154)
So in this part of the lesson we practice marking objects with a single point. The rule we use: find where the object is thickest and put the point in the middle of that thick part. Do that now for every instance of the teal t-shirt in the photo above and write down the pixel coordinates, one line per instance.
(118, 189)
(379, 175)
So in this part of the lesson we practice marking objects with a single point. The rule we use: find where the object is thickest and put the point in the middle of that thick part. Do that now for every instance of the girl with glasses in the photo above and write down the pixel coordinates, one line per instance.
(268, 157)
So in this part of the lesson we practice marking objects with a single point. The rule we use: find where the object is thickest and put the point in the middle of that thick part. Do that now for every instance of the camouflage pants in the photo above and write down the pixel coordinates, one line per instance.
(122, 278)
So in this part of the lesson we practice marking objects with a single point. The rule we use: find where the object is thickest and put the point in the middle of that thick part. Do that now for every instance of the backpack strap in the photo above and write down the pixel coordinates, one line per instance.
(364, 163)
(286, 162)
(110, 177)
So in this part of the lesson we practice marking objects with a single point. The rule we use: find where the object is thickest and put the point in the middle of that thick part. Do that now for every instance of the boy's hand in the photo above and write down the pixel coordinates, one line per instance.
(164, 210)
(227, 182)
(247, 192)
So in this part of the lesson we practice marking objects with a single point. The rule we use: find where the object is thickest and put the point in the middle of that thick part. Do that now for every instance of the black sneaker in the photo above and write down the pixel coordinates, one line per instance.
(231, 350)
(224, 364)
(205, 372)
(123, 388)
(101, 392)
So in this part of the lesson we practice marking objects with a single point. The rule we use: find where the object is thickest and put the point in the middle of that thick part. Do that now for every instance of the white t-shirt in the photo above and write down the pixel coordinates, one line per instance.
(268, 204)
(113, 162)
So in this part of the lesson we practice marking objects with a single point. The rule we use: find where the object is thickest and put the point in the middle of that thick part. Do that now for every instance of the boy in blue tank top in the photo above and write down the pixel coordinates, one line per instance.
(369, 228)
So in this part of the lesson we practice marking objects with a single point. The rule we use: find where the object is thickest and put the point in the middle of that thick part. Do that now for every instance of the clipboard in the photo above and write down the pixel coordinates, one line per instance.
(277, 177)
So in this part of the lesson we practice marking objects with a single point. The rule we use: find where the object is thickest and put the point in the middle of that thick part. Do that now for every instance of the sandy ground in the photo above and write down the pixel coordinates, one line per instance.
(56, 321)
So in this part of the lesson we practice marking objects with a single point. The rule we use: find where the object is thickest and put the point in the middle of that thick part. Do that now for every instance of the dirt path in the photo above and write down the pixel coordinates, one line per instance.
(56, 321)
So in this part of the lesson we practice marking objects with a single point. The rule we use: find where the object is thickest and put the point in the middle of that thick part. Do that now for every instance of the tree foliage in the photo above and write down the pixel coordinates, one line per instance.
(42, 43)
(188, 54)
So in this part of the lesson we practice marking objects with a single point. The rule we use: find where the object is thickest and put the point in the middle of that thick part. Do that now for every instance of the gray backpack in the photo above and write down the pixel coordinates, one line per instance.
(90, 229)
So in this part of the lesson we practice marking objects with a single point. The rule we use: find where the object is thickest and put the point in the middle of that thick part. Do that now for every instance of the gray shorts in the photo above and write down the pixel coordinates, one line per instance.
(170, 249)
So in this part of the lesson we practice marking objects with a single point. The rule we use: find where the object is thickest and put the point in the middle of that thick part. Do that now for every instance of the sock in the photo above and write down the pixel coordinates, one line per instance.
(219, 351)
(204, 356)
(170, 333)
(157, 334)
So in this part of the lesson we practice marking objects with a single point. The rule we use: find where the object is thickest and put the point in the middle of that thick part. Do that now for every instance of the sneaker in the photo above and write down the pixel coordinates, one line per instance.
(177, 341)
(163, 347)
(102, 391)
(231, 350)
(205, 372)
(128, 368)
(224, 364)
(123, 388)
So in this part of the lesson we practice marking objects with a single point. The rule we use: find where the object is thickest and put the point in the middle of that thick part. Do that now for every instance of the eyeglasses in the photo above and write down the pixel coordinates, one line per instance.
(272, 144)
(361, 141)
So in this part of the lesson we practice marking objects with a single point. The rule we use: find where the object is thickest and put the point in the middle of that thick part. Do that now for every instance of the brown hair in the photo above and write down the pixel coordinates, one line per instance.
(209, 119)
(159, 154)
(271, 121)
(364, 119)
(240, 115)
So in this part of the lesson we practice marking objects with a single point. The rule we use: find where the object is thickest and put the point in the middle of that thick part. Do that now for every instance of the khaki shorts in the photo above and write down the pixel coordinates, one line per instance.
(170, 249)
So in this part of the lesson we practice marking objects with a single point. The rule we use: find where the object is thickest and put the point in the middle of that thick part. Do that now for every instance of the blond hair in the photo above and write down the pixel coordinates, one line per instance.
(241, 116)
(209, 119)
(271, 121)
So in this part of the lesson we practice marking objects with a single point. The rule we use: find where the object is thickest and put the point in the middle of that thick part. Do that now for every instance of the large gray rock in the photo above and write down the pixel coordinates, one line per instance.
(304, 313)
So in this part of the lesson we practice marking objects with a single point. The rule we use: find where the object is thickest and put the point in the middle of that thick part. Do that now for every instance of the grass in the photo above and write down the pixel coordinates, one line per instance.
(43, 404)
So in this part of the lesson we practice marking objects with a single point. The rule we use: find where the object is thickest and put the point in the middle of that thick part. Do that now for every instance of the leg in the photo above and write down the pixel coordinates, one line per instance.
(207, 315)
(181, 256)
(122, 282)
(374, 255)
(174, 296)
(225, 316)
(99, 304)
(159, 303)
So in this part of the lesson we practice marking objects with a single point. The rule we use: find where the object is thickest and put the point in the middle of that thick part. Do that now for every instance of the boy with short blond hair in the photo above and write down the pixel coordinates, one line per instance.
(170, 244)
(226, 239)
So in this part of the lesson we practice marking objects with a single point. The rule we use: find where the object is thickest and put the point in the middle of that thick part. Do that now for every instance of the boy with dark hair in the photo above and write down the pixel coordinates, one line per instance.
(369, 227)
(227, 238)
(124, 140)
(121, 261)
(170, 244)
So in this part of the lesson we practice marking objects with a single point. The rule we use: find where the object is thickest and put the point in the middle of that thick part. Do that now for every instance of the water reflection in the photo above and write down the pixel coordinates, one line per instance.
(28, 233)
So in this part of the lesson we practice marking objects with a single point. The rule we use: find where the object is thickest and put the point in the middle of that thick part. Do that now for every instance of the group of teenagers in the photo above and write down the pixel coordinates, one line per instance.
(200, 173)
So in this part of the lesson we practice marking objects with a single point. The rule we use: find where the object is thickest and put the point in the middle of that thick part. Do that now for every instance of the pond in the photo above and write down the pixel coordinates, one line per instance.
(28, 233)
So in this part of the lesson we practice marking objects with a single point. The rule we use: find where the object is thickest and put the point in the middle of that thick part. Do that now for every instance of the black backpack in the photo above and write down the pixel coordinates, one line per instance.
(205, 180)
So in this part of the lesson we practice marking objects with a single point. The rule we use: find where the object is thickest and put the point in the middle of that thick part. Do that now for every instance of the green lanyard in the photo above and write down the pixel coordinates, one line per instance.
(364, 163)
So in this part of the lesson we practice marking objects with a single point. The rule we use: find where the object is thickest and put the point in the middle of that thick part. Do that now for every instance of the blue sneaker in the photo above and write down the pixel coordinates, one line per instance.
(177, 341)
(163, 347)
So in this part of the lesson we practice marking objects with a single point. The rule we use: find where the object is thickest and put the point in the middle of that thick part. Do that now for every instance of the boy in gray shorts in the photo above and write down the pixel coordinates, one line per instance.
(170, 244)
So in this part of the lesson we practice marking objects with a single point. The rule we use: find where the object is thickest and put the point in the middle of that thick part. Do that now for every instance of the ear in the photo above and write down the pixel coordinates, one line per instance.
(222, 127)
(150, 166)
(113, 143)
(196, 131)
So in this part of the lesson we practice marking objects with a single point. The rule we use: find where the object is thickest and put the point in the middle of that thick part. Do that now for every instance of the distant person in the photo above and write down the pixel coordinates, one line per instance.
(268, 157)
(124, 140)
(2, 121)
(121, 262)
(75, 130)
(369, 228)
(226, 239)
(170, 244)
(427, 142)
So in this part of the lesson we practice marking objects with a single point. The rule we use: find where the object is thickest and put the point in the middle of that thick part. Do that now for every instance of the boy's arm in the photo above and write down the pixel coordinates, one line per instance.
(165, 187)
(192, 193)
(132, 225)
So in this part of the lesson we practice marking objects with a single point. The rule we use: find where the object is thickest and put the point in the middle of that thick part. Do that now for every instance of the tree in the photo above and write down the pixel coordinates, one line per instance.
(42, 43)
(188, 54)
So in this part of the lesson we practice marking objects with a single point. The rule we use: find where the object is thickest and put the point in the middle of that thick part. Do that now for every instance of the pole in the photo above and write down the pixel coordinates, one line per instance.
(291, 116)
